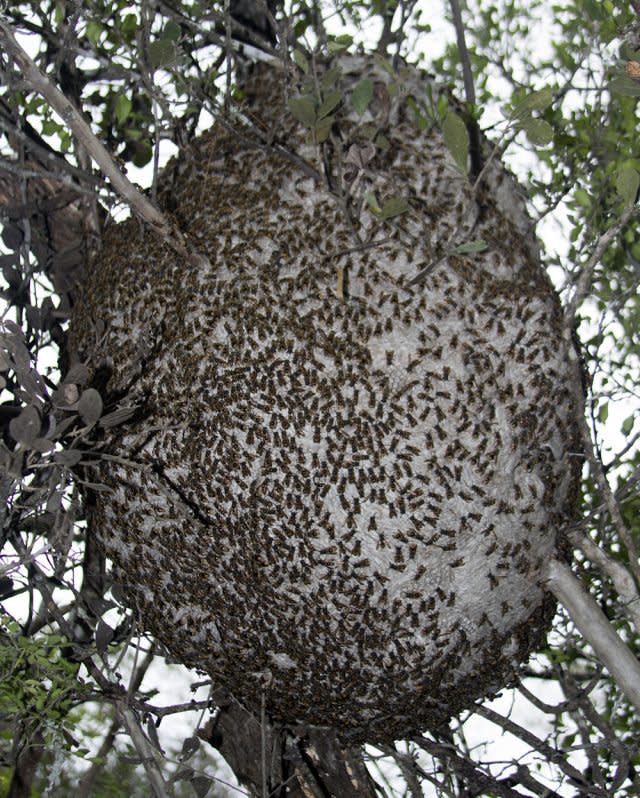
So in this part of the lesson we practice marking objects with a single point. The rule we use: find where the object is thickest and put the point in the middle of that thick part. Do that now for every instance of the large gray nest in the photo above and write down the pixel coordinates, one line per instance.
(342, 489)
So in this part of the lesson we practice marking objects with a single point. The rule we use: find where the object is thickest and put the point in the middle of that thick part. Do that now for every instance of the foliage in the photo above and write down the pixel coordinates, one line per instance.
(563, 114)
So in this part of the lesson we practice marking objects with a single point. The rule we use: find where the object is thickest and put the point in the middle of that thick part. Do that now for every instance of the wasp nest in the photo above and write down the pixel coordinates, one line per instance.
(353, 454)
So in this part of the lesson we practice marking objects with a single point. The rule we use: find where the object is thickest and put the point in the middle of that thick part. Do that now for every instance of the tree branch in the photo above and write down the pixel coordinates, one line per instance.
(70, 115)
(621, 578)
(145, 750)
(585, 278)
(37, 81)
(312, 762)
(465, 61)
(596, 629)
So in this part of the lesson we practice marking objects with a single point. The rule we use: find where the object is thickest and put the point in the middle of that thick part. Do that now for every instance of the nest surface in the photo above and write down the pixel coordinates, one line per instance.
(343, 488)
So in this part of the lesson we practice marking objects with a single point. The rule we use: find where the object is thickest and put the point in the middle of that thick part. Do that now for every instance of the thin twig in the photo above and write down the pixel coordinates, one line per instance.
(600, 478)
(528, 737)
(465, 61)
(173, 709)
(585, 279)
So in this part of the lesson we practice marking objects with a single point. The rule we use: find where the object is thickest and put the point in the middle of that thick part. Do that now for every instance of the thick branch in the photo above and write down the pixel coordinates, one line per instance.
(596, 629)
(309, 764)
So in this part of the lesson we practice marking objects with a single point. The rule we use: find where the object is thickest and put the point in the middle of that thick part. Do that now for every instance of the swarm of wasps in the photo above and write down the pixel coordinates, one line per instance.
(338, 502)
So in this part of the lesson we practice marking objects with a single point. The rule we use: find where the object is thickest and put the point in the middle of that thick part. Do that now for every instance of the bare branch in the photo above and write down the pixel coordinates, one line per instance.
(479, 780)
(600, 478)
(596, 629)
(537, 744)
(70, 115)
(469, 89)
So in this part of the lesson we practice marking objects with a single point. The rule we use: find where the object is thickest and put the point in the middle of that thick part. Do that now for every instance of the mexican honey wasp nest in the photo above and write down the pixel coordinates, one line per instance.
(355, 449)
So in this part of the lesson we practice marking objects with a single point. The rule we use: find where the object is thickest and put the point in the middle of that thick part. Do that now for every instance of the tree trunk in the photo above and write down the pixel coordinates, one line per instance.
(286, 762)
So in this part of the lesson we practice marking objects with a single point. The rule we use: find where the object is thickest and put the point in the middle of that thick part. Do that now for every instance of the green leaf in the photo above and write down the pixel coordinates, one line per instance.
(372, 202)
(300, 61)
(625, 85)
(394, 206)
(201, 785)
(129, 26)
(322, 129)
(189, 747)
(536, 101)
(65, 140)
(539, 132)
(627, 425)
(456, 137)
(300, 27)
(628, 53)
(68, 457)
(49, 127)
(470, 247)
(340, 43)
(303, 109)
(583, 198)
(25, 427)
(330, 103)
(627, 183)
(104, 635)
(603, 413)
(122, 108)
(143, 154)
(162, 52)
(420, 119)
(385, 64)
(94, 31)
(442, 106)
(361, 96)
(330, 78)
(90, 406)
(172, 31)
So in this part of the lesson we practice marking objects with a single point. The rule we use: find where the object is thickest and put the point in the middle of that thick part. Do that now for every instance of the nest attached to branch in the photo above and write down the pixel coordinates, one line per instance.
(344, 483)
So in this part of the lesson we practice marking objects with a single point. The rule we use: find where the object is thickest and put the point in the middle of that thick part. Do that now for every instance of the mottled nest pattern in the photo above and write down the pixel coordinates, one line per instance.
(342, 490)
